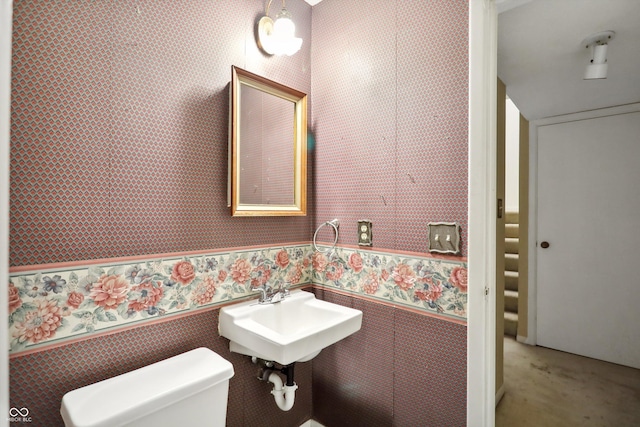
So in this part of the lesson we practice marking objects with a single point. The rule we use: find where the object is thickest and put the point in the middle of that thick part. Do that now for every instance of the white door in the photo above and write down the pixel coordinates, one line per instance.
(588, 280)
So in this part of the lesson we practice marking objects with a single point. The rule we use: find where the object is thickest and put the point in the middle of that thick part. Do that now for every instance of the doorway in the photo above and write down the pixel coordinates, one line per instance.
(512, 228)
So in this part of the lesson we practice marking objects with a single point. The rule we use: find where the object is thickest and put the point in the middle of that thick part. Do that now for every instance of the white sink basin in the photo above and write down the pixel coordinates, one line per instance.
(293, 330)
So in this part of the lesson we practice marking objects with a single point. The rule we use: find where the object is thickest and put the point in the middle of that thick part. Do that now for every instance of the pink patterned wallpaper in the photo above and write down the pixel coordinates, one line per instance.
(416, 378)
(119, 126)
(119, 147)
(390, 117)
(390, 100)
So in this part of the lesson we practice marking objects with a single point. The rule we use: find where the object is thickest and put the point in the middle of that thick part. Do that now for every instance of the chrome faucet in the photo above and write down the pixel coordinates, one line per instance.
(269, 295)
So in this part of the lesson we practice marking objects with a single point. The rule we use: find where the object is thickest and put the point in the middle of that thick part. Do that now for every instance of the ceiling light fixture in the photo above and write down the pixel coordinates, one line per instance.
(278, 38)
(597, 68)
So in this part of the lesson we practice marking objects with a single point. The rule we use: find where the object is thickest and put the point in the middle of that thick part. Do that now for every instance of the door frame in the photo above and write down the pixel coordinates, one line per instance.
(481, 320)
(6, 23)
(501, 105)
(533, 197)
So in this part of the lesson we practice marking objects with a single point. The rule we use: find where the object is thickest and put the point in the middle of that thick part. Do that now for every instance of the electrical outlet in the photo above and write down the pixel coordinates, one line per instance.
(365, 237)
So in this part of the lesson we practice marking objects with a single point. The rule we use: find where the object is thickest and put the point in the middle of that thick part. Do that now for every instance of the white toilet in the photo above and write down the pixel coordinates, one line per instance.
(190, 389)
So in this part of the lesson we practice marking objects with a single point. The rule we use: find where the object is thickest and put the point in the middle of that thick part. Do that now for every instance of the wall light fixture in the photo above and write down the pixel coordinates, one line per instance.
(278, 38)
(598, 43)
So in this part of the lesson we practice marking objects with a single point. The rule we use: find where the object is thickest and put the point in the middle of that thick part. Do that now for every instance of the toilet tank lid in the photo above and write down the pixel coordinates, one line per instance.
(134, 394)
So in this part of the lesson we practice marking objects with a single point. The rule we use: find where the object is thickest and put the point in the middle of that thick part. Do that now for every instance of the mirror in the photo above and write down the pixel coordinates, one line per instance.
(267, 147)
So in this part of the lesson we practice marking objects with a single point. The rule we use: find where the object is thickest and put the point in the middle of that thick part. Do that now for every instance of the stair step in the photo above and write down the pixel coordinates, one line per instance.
(511, 280)
(510, 324)
(511, 230)
(511, 301)
(511, 218)
(511, 245)
(511, 262)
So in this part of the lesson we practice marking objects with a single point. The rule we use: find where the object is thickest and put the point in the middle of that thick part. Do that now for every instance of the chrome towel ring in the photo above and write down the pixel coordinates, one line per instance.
(336, 225)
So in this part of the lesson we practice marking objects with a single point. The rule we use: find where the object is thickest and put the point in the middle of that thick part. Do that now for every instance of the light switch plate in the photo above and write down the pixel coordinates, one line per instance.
(365, 236)
(444, 237)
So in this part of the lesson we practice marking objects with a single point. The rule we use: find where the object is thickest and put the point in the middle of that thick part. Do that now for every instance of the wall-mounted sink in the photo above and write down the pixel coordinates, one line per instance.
(293, 330)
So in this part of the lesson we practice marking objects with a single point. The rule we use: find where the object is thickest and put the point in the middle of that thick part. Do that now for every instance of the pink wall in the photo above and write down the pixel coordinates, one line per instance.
(401, 369)
(390, 104)
(119, 127)
(390, 100)
(119, 145)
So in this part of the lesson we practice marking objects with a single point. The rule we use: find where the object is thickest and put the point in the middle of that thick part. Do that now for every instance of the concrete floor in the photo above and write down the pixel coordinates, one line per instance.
(545, 387)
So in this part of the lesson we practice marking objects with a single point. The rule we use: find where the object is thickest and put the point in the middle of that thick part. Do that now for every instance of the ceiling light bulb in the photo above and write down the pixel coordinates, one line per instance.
(284, 26)
(278, 38)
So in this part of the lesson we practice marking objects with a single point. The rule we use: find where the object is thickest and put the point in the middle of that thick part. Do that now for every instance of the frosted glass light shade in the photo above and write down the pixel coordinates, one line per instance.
(279, 38)
(284, 26)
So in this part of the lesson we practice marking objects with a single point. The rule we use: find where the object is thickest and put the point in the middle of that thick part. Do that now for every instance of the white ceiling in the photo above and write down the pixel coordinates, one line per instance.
(541, 59)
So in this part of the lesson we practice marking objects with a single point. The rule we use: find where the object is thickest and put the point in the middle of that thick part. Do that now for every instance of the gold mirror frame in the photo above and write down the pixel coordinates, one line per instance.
(241, 78)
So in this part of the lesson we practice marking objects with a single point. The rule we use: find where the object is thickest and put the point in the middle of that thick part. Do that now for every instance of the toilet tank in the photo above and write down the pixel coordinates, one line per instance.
(190, 389)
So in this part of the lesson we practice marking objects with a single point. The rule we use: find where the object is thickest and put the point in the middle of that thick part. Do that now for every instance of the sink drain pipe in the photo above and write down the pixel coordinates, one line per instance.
(284, 393)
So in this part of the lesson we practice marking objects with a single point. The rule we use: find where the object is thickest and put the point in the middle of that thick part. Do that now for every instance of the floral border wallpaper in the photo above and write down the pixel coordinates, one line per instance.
(64, 303)
(48, 306)
(431, 284)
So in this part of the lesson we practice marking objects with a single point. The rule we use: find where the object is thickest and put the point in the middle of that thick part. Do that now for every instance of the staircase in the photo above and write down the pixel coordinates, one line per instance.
(511, 274)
